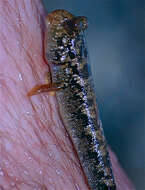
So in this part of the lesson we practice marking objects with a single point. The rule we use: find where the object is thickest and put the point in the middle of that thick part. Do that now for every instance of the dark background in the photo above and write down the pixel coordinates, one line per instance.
(115, 39)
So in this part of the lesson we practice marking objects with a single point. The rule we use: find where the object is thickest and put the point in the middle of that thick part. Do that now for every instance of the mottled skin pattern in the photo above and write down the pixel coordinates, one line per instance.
(65, 49)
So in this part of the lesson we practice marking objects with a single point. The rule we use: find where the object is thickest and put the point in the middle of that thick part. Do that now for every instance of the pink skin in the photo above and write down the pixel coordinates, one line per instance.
(35, 151)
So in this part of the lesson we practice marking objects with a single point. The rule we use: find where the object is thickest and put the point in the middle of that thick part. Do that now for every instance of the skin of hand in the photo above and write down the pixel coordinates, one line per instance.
(35, 150)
